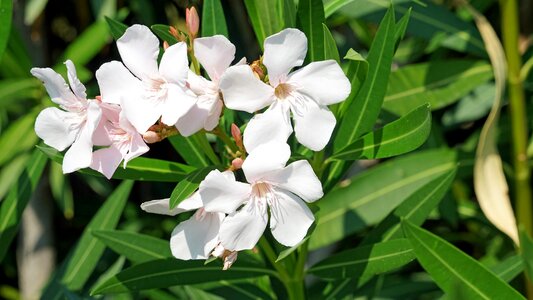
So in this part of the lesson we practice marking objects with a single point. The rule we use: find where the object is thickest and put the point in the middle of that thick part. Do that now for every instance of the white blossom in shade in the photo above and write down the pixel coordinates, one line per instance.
(305, 93)
(73, 123)
(145, 91)
(215, 54)
(284, 189)
(121, 139)
(194, 238)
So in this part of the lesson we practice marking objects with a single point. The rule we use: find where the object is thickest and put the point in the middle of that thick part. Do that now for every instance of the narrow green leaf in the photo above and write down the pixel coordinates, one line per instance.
(401, 27)
(366, 261)
(213, 20)
(283, 254)
(12, 90)
(134, 246)
(416, 208)
(526, 249)
(61, 190)
(509, 268)
(330, 46)
(140, 168)
(450, 267)
(10, 172)
(89, 249)
(19, 137)
(399, 137)
(356, 73)
(12, 207)
(170, 272)
(310, 16)
(365, 107)
(368, 198)
(438, 82)
(188, 185)
(264, 17)
(116, 28)
(163, 32)
(6, 12)
(289, 13)
(189, 150)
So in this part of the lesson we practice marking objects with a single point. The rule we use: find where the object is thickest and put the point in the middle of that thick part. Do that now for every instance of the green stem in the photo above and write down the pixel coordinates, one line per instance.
(221, 134)
(517, 109)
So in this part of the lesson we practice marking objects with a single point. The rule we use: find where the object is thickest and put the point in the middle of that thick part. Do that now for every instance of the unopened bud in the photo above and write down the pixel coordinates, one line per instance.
(165, 45)
(236, 134)
(229, 260)
(237, 163)
(257, 68)
(99, 98)
(192, 20)
(151, 137)
(174, 32)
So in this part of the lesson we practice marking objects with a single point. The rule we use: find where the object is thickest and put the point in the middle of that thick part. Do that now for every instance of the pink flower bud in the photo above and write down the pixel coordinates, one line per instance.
(229, 260)
(165, 45)
(192, 20)
(236, 134)
(99, 98)
(237, 163)
(151, 137)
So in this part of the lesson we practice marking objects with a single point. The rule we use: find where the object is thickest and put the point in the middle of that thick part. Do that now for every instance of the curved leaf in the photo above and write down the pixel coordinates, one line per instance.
(213, 20)
(6, 13)
(188, 185)
(265, 17)
(310, 16)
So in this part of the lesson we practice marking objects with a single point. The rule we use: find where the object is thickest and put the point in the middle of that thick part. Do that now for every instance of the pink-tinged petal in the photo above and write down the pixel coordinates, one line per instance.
(272, 125)
(139, 48)
(79, 155)
(141, 113)
(177, 104)
(174, 64)
(313, 125)
(196, 237)
(220, 192)
(266, 158)
(200, 85)
(56, 128)
(215, 53)
(77, 87)
(110, 116)
(162, 206)
(298, 178)
(116, 82)
(243, 91)
(137, 148)
(56, 87)
(284, 51)
(214, 116)
(323, 81)
(242, 230)
(106, 161)
(290, 218)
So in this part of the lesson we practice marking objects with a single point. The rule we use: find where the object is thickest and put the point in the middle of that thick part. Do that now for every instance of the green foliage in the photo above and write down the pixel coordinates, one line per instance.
(188, 185)
(310, 18)
(213, 20)
(6, 11)
(264, 17)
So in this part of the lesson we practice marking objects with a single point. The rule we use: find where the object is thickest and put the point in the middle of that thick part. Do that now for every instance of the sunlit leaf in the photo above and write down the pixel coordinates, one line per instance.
(188, 185)
(6, 11)
(264, 17)
(213, 20)
(330, 46)
(310, 16)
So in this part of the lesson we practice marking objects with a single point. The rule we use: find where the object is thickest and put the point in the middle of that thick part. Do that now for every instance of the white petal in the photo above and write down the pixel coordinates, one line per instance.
(242, 230)
(139, 48)
(56, 127)
(116, 82)
(215, 53)
(162, 206)
(220, 192)
(196, 237)
(284, 51)
(243, 91)
(75, 84)
(290, 218)
(106, 161)
(300, 179)
(141, 113)
(323, 81)
(272, 125)
(174, 64)
(137, 147)
(313, 125)
(194, 120)
(56, 87)
(177, 104)
(200, 85)
(266, 158)
(79, 155)
(214, 116)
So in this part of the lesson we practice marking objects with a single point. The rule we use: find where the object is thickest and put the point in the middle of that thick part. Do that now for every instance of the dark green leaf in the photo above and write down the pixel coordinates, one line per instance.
(289, 13)
(356, 73)
(330, 47)
(89, 249)
(189, 150)
(399, 137)
(310, 16)
(6, 11)
(188, 185)
(61, 190)
(19, 137)
(163, 32)
(116, 28)
(450, 267)
(366, 261)
(134, 246)
(170, 272)
(12, 207)
(213, 20)
(526, 249)
(140, 168)
(264, 17)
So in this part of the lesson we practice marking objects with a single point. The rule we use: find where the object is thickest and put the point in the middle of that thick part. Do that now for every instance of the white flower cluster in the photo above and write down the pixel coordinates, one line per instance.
(138, 94)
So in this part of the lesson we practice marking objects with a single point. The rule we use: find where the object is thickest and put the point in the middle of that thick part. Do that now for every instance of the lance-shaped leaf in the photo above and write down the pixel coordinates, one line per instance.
(19, 137)
(366, 261)
(330, 46)
(116, 28)
(367, 199)
(89, 249)
(213, 20)
(134, 246)
(265, 17)
(6, 12)
(188, 185)
(310, 16)
(399, 137)
(356, 73)
(189, 150)
(140, 168)
(438, 82)
(163, 32)
(509, 268)
(526, 249)
(171, 272)
(12, 207)
(450, 267)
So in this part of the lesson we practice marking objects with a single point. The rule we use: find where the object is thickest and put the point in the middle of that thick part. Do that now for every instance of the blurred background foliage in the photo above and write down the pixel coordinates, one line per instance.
(441, 60)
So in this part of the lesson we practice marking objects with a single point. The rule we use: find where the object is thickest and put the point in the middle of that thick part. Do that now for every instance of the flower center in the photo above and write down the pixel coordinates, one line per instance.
(156, 88)
(283, 90)
(261, 190)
